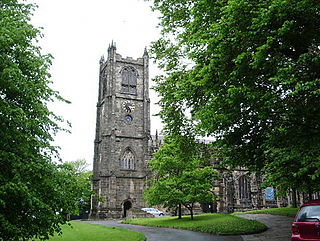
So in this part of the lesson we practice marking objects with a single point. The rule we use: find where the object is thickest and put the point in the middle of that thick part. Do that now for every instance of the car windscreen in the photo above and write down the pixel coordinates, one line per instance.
(309, 214)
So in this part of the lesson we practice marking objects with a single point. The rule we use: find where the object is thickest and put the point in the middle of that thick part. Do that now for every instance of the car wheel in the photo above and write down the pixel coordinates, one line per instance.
(161, 214)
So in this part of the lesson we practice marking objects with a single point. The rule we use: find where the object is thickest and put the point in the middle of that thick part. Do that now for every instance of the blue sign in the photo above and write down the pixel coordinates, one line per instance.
(269, 193)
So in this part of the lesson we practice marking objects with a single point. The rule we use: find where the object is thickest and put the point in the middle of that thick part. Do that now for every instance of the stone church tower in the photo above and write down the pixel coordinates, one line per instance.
(122, 135)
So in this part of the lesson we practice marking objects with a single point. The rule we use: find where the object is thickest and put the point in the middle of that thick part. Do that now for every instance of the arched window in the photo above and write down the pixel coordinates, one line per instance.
(128, 160)
(244, 188)
(129, 80)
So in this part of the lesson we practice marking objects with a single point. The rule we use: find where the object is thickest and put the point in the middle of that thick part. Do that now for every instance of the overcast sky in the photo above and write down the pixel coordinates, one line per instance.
(77, 33)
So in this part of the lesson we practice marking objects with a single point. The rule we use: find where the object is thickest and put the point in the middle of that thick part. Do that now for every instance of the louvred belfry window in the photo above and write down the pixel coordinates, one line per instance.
(129, 80)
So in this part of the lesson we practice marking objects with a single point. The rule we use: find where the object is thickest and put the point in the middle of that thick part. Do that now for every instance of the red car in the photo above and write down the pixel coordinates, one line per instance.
(306, 225)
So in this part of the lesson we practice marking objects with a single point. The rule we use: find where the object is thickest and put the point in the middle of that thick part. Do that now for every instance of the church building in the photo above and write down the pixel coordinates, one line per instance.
(122, 134)
(123, 146)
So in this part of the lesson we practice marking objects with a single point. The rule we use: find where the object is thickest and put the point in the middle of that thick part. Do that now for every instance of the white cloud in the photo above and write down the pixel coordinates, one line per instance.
(77, 33)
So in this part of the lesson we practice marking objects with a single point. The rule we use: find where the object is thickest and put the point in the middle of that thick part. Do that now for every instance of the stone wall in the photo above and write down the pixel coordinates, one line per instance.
(121, 149)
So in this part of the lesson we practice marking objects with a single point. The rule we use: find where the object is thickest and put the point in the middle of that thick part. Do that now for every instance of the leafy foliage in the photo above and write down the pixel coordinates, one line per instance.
(181, 177)
(80, 185)
(35, 193)
(248, 72)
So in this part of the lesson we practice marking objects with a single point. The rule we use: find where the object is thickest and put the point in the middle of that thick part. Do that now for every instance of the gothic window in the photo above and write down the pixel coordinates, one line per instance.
(244, 188)
(129, 80)
(128, 160)
(103, 80)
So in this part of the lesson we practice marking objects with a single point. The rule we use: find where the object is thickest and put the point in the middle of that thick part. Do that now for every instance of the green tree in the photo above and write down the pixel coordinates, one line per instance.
(181, 177)
(35, 192)
(79, 166)
(80, 185)
(248, 71)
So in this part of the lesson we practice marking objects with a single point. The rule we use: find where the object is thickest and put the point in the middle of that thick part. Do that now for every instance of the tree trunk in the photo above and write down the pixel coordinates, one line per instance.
(191, 211)
(294, 198)
(310, 195)
(179, 211)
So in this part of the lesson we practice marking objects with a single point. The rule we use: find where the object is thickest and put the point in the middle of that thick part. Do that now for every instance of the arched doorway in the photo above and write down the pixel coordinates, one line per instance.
(126, 206)
(209, 207)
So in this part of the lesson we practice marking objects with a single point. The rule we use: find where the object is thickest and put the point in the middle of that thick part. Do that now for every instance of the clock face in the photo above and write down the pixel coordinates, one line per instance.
(128, 119)
(128, 106)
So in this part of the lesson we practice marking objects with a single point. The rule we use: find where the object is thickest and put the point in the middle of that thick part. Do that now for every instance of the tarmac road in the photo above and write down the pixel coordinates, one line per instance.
(279, 227)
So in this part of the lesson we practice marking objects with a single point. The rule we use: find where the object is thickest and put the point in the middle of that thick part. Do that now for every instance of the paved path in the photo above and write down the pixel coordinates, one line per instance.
(168, 234)
(279, 227)
(279, 230)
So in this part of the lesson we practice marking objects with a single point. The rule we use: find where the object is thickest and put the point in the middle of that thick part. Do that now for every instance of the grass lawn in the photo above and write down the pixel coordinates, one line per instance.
(91, 232)
(221, 224)
(287, 211)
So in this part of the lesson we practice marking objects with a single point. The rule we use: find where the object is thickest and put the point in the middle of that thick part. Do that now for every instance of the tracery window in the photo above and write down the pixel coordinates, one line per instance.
(129, 80)
(128, 160)
(244, 188)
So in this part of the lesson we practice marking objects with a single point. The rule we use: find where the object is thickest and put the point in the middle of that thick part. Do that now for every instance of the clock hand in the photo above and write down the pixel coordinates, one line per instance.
(128, 109)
